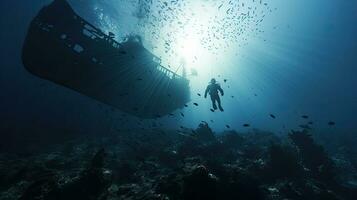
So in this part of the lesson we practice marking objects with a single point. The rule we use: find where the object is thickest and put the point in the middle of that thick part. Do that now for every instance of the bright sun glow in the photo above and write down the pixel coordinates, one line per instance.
(200, 34)
(189, 49)
(189, 40)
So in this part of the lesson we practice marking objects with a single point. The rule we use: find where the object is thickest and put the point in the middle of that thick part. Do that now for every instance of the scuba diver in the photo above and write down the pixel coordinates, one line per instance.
(213, 89)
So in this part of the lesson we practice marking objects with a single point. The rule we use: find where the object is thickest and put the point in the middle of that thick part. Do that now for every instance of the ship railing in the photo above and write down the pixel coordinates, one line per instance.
(163, 69)
(88, 27)
(111, 41)
(169, 73)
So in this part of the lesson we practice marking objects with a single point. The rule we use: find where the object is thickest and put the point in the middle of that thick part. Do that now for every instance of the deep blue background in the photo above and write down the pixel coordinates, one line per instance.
(309, 66)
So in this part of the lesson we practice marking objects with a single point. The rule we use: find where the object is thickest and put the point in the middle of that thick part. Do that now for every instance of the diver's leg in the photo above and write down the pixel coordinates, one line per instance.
(219, 103)
(214, 102)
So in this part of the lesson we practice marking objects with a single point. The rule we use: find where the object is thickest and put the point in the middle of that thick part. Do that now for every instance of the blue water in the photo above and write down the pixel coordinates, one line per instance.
(299, 60)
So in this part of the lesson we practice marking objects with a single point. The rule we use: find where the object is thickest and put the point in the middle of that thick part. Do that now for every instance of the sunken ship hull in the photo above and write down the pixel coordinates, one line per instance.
(62, 47)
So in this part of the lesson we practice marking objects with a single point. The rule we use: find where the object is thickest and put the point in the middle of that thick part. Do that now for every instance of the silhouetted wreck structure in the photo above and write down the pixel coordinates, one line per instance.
(64, 48)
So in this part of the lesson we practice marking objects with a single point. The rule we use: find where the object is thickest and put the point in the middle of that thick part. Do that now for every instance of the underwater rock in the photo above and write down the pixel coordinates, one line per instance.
(283, 163)
(169, 158)
(234, 182)
(231, 139)
(313, 155)
(98, 160)
(11, 176)
(170, 186)
(166, 165)
(204, 133)
(90, 184)
(258, 141)
(124, 171)
(40, 188)
(194, 183)
(200, 184)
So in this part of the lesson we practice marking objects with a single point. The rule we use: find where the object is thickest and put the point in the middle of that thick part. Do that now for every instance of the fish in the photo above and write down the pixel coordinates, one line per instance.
(331, 123)
(182, 114)
(246, 125)
(228, 126)
(212, 110)
(225, 80)
(196, 104)
(305, 116)
(304, 126)
(272, 116)
(198, 94)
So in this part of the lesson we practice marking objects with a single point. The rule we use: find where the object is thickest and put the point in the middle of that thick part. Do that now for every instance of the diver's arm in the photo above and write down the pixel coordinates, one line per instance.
(207, 90)
(220, 90)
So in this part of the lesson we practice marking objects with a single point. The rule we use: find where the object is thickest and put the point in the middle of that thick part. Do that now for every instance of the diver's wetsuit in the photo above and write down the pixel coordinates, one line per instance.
(213, 89)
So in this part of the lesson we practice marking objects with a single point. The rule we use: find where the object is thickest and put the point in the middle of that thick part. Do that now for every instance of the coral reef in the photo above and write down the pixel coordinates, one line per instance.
(162, 164)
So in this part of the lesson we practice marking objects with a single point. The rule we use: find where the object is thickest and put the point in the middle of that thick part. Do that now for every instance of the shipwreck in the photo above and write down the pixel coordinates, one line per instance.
(62, 47)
